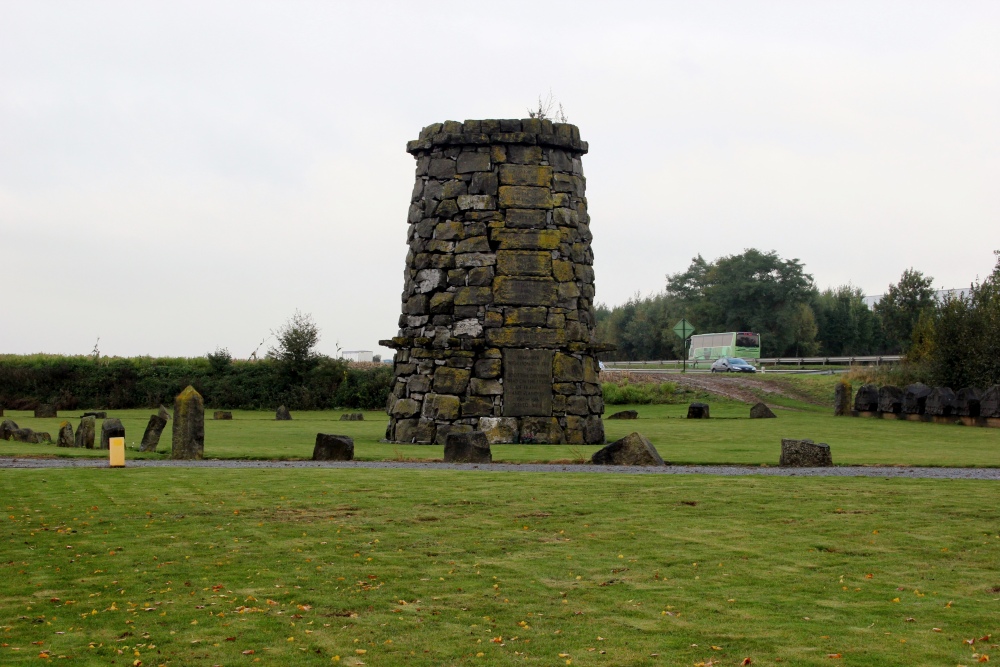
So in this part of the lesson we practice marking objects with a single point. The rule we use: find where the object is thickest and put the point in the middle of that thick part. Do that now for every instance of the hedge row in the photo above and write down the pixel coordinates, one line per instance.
(144, 382)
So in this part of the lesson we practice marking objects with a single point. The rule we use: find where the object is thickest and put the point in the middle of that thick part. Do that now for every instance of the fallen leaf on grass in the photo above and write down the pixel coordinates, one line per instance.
(249, 651)
(834, 656)
(746, 661)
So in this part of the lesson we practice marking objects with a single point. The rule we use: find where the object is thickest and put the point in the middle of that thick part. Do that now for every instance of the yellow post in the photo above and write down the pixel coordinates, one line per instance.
(117, 452)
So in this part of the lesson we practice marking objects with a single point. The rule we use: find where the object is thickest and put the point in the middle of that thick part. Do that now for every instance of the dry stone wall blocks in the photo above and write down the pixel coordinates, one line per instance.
(497, 327)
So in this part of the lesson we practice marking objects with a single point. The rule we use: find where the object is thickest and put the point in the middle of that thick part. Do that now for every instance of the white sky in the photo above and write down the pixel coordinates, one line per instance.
(180, 176)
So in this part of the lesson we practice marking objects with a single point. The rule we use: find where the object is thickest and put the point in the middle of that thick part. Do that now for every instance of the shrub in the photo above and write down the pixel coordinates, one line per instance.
(641, 393)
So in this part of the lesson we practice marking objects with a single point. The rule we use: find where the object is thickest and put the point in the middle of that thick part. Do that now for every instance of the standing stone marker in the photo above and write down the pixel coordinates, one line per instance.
(915, 398)
(842, 398)
(632, 450)
(86, 432)
(46, 410)
(189, 425)
(7, 428)
(282, 414)
(699, 411)
(65, 438)
(333, 448)
(940, 402)
(805, 454)
(470, 447)
(497, 318)
(866, 399)
(111, 428)
(967, 402)
(890, 400)
(151, 436)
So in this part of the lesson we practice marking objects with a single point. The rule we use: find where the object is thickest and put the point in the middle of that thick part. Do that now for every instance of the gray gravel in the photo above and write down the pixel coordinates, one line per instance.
(836, 471)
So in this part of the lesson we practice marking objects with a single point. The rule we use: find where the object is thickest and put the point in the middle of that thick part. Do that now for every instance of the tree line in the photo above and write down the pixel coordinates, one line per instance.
(764, 293)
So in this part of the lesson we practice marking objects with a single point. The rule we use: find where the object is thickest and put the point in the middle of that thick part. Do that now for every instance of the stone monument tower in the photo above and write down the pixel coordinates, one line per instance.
(497, 325)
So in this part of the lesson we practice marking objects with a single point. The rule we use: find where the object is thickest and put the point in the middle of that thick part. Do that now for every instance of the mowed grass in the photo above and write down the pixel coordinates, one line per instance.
(391, 567)
(729, 437)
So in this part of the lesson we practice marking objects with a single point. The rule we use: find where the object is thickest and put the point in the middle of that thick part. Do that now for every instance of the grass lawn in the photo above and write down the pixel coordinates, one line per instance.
(391, 567)
(729, 437)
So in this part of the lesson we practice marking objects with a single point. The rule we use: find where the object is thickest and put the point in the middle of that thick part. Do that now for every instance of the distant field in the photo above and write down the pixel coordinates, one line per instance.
(729, 437)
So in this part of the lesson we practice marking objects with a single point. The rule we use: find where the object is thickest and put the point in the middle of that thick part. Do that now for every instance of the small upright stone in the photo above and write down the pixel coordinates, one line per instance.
(189, 425)
(698, 411)
(624, 414)
(7, 428)
(111, 428)
(86, 432)
(352, 417)
(65, 438)
(866, 399)
(45, 410)
(472, 447)
(333, 448)
(222, 414)
(282, 414)
(151, 436)
(761, 411)
(632, 450)
(805, 454)
(890, 400)
(842, 398)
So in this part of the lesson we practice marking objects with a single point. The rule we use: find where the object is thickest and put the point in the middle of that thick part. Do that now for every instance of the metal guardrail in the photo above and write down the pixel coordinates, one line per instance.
(771, 361)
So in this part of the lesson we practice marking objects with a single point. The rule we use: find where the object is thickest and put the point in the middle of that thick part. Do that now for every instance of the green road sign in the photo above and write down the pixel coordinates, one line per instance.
(683, 329)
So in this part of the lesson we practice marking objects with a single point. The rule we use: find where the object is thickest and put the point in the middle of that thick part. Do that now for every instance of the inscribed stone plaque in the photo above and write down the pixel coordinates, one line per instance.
(527, 383)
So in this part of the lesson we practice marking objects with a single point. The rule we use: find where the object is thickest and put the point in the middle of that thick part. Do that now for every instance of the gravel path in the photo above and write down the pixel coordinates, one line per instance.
(836, 471)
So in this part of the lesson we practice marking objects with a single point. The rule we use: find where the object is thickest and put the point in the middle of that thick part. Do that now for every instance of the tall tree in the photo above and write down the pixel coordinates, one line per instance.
(901, 306)
(846, 326)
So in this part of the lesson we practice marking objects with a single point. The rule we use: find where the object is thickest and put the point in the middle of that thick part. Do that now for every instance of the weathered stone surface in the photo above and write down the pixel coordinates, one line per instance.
(472, 447)
(698, 411)
(477, 406)
(45, 410)
(7, 428)
(499, 430)
(451, 380)
(111, 428)
(353, 416)
(441, 407)
(842, 398)
(189, 425)
(915, 398)
(524, 263)
(86, 433)
(632, 450)
(470, 162)
(444, 430)
(624, 414)
(531, 337)
(761, 411)
(65, 437)
(525, 218)
(940, 402)
(151, 436)
(96, 415)
(282, 414)
(542, 239)
(989, 404)
(222, 414)
(805, 454)
(487, 369)
(593, 430)
(967, 402)
(567, 368)
(29, 436)
(866, 400)
(405, 407)
(163, 412)
(333, 448)
(508, 290)
(890, 399)
(541, 430)
(527, 383)
(532, 175)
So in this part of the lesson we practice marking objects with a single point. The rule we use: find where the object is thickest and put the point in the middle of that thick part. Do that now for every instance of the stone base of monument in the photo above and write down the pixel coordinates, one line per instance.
(624, 414)
(632, 450)
(698, 411)
(500, 430)
(45, 410)
(333, 448)
(805, 454)
(222, 414)
(352, 417)
(761, 411)
(467, 448)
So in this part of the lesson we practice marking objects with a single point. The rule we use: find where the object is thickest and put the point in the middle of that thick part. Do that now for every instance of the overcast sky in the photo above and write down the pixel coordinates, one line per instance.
(181, 176)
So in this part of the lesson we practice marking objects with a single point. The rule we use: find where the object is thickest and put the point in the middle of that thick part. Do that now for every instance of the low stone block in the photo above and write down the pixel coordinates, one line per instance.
(499, 430)
(29, 436)
(624, 414)
(333, 448)
(222, 414)
(404, 407)
(472, 447)
(524, 263)
(508, 290)
(352, 417)
(915, 398)
(890, 399)
(477, 406)
(96, 415)
(45, 410)
(805, 454)
(440, 406)
(866, 400)
(151, 436)
(448, 380)
(7, 428)
(698, 411)
(444, 430)
(111, 428)
(761, 411)
(967, 402)
(989, 404)
(282, 414)
(632, 450)
(940, 402)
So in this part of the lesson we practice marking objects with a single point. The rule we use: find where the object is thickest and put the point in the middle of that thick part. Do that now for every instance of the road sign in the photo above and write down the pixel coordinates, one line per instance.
(683, 329)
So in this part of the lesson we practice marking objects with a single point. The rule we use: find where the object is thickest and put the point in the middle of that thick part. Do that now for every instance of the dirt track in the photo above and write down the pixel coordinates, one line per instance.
(741, 387)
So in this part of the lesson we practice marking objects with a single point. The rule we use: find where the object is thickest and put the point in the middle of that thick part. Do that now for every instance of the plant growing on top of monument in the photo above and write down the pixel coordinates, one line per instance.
(549, 109)
(296, 349)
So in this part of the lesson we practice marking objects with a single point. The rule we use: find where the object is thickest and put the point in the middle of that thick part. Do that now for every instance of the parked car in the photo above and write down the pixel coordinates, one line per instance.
(732, 365)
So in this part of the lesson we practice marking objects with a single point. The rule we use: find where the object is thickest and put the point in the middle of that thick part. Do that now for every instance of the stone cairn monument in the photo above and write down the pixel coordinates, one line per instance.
(497, 325)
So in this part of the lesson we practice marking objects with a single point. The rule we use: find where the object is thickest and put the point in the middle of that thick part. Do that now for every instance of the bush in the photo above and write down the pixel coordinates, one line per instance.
(642, 393)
